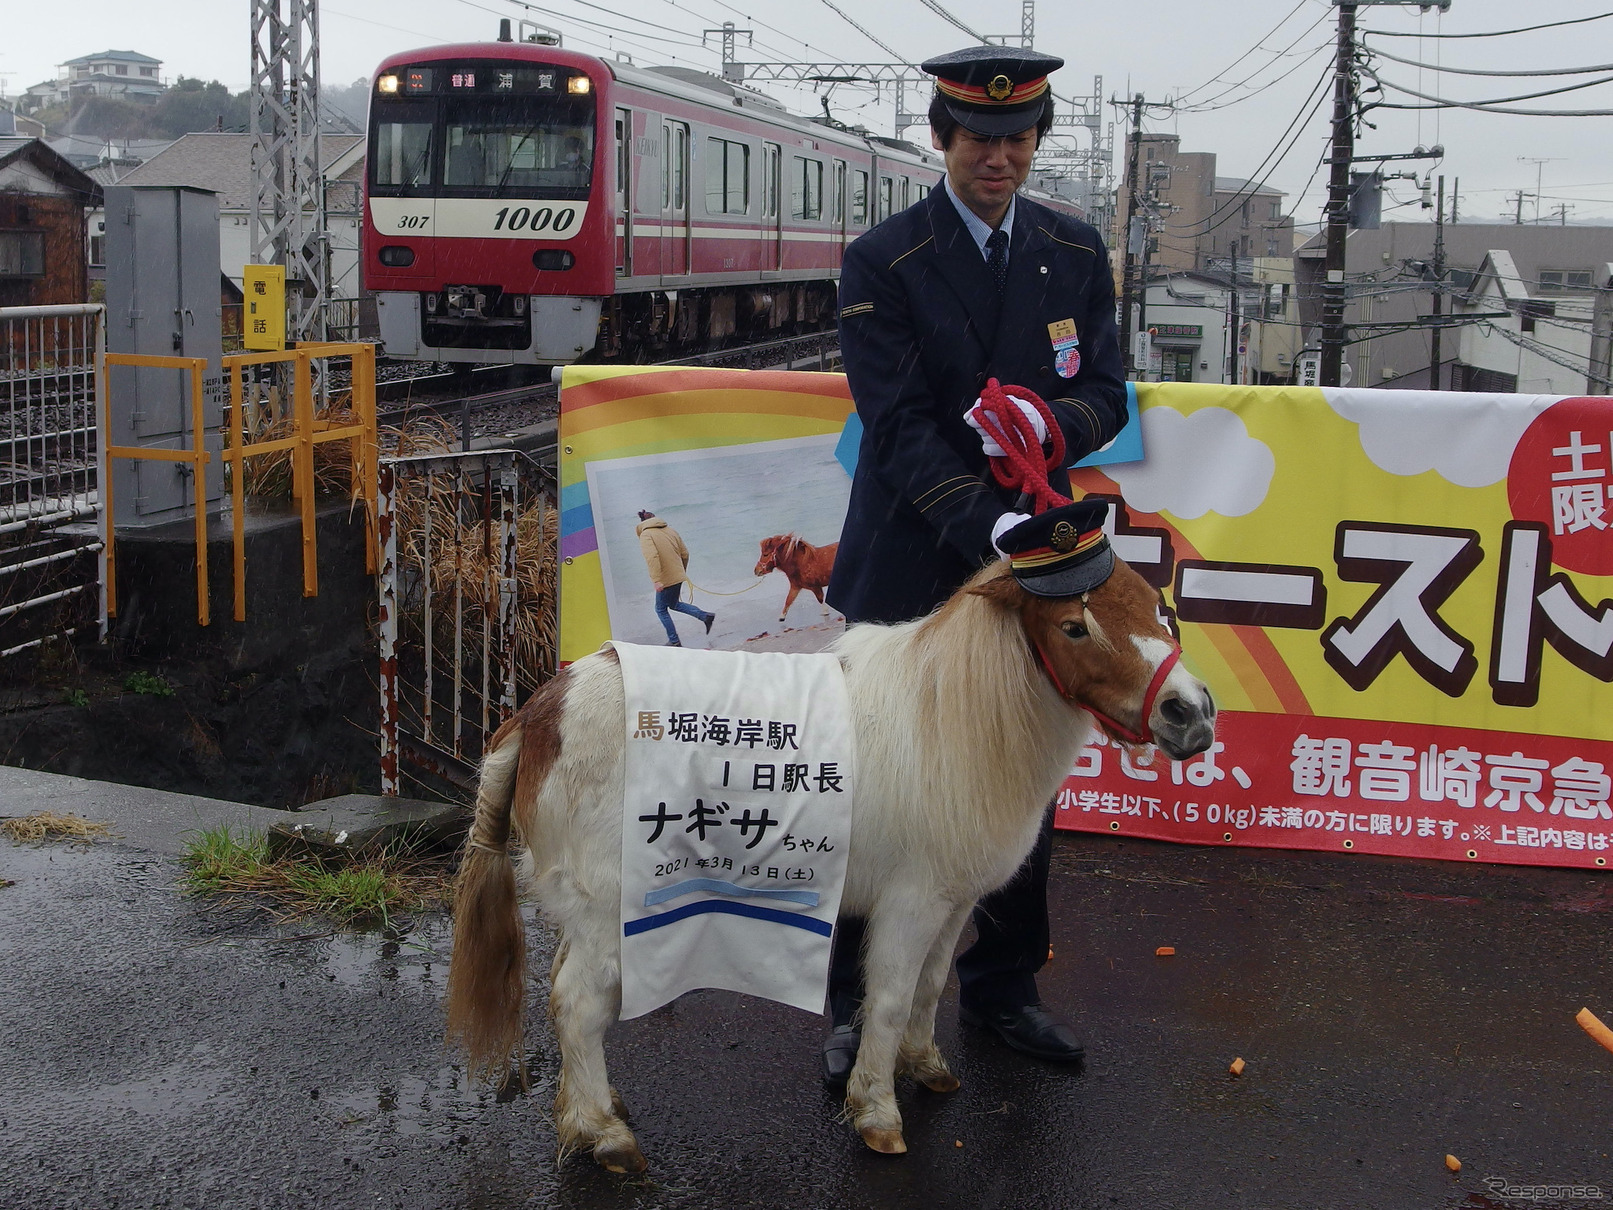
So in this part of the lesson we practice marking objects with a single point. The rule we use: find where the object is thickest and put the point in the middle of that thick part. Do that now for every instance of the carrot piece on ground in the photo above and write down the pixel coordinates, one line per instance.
(1237, 1067)
(1589, 1022)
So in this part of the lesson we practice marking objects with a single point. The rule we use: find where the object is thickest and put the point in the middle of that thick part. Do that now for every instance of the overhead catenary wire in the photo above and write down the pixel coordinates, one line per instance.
(1491, 105)
(1208, 104)
(1217, 77)
(1494, 33)
(1474, 71)
(1306, 111)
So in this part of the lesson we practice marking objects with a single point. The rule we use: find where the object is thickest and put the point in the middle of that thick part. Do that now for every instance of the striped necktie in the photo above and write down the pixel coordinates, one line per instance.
(997, 258)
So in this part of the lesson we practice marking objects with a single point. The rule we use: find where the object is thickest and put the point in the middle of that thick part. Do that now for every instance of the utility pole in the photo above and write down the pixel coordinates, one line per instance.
(1439, 282)
(1338, 199)
(1456, 188)
(1517, 218)
(1136, 237)
(1236, 317)
(732, 70)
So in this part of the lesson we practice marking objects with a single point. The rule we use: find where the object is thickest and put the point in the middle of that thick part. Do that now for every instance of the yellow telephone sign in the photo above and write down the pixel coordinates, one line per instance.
(263, 322)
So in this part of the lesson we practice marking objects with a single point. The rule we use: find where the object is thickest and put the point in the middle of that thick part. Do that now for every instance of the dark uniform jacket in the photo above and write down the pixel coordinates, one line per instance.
(922, 327)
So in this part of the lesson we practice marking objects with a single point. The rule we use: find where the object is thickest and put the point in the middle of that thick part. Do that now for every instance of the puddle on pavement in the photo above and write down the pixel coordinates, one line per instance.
(441, 1105)
(415, 955)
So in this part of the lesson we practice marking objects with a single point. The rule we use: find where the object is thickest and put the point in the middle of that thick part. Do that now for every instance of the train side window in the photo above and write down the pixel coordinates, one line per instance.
(920, 192)
(837, 199)
(727, 177)
(859, 197)
(737, 188)
(902, 195)
(680, 167)
(666, 175)
(771, 156)
(806, 189)
(886, 192)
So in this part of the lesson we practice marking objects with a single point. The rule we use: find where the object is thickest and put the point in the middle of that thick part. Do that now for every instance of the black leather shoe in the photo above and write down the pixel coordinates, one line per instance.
(1031, 1029)
(710, 618)
(839, 1055)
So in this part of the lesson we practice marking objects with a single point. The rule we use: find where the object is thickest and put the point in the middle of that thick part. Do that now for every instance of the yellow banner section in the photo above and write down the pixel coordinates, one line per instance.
(264, 324)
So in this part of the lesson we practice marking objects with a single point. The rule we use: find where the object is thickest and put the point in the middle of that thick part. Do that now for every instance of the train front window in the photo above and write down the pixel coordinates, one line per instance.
(509, 147)
(401, 157)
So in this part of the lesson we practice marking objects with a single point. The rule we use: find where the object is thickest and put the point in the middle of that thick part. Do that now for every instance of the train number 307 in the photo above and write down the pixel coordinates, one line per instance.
(544, 218)
(410, 222)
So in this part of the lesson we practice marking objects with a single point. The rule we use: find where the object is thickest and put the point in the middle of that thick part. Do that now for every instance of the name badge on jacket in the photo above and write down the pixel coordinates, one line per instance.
(1066, 347)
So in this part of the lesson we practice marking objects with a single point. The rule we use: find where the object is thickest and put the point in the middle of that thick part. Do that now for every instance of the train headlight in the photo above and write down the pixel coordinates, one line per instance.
(579, 85)
(387, 84)
(396, 256)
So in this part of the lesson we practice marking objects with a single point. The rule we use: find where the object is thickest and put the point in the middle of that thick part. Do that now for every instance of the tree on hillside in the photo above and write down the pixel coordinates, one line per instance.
(192, 105)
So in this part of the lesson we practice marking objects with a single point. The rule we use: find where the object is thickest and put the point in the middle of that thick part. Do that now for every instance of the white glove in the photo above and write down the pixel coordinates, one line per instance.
(1005, 523)
(992, 449)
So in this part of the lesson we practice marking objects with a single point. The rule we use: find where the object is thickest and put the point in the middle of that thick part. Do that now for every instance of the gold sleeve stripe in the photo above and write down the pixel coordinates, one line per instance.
(909, 252)
(1066, 242)
(923, 496)
(856, 309)
(962, 487)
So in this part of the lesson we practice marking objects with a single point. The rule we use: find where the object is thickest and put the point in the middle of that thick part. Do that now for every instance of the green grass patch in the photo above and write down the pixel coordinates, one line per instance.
(148, 683)
(363, 890)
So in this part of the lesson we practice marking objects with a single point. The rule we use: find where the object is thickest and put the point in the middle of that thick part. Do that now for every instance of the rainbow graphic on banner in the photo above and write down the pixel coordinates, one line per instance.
(609, 413)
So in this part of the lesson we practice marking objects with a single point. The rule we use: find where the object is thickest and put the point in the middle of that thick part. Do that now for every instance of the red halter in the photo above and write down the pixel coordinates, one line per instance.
(1146, 734)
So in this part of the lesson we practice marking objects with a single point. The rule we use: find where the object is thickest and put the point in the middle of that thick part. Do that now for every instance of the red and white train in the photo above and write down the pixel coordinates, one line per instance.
(529, 204)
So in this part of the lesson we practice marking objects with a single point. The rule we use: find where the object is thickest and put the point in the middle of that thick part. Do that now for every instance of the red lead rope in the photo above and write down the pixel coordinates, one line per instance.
(1023, 466)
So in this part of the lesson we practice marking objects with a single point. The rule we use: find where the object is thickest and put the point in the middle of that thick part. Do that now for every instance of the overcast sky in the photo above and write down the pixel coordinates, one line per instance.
(1244, 71)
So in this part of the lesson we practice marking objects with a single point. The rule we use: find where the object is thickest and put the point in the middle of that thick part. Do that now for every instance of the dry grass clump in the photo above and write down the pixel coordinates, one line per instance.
(48, 825)
(462, 561)
(359, 891)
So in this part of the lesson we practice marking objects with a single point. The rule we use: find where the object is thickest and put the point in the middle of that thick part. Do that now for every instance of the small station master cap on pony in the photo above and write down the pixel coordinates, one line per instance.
(993, 90)
(1062, 552)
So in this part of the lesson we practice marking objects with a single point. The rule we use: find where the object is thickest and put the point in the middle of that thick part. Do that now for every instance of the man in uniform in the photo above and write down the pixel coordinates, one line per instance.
(971, 283)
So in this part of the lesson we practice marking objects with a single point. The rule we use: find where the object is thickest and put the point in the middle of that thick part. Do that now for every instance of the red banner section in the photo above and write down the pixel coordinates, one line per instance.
(1405, 790)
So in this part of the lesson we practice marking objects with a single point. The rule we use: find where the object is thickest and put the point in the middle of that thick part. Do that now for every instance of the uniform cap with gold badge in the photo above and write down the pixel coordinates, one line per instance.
(1062, 552)
(993, 90)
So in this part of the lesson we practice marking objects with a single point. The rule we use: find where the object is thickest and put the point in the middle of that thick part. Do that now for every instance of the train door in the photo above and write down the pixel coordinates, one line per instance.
(772, 211)
(624, 193)
(675, 198)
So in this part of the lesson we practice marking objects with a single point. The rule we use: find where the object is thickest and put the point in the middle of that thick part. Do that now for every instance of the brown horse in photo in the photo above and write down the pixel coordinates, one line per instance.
(806, 565)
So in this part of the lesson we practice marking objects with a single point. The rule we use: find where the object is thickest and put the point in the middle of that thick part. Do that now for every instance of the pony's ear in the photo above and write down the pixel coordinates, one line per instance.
(1003, 591)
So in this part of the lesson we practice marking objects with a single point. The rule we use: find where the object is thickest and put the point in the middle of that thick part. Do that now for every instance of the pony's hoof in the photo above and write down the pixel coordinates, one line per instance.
(619, 1156)
(943, 1081)
(887, 1142)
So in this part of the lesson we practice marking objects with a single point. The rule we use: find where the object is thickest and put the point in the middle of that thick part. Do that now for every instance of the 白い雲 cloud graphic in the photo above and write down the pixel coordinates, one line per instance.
(1468, 439)
(1205, 462)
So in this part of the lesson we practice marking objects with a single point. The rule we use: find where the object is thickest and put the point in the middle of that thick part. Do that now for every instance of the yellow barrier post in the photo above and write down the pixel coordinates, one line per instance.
(303, 469)
(197, 456)
(237, 489)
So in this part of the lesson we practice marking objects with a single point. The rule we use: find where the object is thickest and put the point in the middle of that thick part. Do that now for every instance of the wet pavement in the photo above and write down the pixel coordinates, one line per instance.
(159, 1051)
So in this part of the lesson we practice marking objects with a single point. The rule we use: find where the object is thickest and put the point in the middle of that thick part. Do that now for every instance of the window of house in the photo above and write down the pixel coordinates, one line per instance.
(122, 70)
(859, 197)
(1531, 310)
(22, 254)
(806, 189)
(1555, 281)
(1276, 210)
(727, 177)
(148, 71)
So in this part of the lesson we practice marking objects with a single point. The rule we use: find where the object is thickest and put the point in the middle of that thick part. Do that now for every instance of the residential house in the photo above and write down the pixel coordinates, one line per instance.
(1389, 274)
(124, 74)
(223, 164)
(43, 200)
(1548, 343)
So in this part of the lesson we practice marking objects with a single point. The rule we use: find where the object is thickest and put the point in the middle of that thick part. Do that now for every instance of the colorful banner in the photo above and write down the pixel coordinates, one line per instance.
(1400, 599)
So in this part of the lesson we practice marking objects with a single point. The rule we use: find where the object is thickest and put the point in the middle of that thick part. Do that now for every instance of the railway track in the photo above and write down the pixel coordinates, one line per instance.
(511, 407)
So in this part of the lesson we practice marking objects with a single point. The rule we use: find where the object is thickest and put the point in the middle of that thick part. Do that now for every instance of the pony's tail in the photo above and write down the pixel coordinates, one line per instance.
(487, 975)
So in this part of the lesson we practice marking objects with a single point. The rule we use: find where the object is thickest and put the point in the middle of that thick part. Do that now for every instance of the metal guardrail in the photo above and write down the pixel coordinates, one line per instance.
(307, 432)
(467, 562)
(52, 559)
